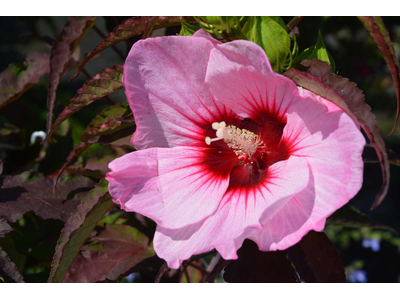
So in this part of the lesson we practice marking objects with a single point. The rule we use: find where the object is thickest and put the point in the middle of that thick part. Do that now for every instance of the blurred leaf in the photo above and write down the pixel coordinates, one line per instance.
(317, 51)
(127, 29)
(102, 84)
(18, 78)
(61, 53)
(114, 252)
(20, 194)
(316, 76)
(111, 127)
(4, 227)
(78, 228)
(8, 270)
(192, 273)
(187, 29)
(151, 21)
(94, 167)
(379, 33)
(254, 265)
(349, 216)
(316, 259)
(271, 36)
(369, 156)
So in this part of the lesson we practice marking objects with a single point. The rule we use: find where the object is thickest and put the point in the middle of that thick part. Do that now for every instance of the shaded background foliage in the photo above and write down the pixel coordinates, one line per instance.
(369, 248)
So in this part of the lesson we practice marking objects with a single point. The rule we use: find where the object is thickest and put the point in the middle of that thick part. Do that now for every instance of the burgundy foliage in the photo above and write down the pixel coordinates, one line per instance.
(129, 28)
(78, 228)
(100, 85)
(256, 266)
(316, 76)
(316, 259)
(112, 253)
(380, 34)
(61, 53)
(18, 78)
(20, 194)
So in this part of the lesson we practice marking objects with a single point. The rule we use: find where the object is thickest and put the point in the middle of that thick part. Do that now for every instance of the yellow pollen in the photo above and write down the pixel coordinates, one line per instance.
(242, 141)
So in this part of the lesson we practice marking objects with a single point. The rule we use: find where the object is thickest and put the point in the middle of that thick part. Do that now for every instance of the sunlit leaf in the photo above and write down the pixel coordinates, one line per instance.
(254, 265)
(316, 259)
(100, 85)
(63, 49)
(77, 229)
(129, 28)
(114, 252)
(18, 78)
(271, 36)
(380, 34)
(26, 192)
(316, 76)
(187, 29)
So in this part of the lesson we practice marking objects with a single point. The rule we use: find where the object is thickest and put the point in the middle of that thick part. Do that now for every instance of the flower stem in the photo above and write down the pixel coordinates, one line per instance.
(293, 23)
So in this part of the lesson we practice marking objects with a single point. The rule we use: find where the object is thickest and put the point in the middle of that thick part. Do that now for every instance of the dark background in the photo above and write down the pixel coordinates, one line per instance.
(370, 255)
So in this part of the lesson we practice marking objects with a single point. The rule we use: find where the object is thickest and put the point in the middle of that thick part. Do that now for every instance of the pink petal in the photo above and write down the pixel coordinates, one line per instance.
(332, 145)
(164, 82)
(175, 187)
(240, 212)
(240, 76)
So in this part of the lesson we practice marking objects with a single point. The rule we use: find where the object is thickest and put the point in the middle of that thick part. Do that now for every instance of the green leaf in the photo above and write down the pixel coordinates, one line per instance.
(317, 51)
(271, 36)
(187, 29)
(379, 33)
(18, 78)
(102, 84)
(78, 228)
(316, 76)
(61, 53)
(127, 29)
(114, 252)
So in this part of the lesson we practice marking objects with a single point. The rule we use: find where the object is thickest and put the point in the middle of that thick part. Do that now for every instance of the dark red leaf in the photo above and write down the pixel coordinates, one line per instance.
(8, 270)
(111, 127)
(316, 77)
(18, 78)
(64, 46)
(100, 85)
(130, 28)
(78, 228)
(379, 33)
(94, 167)
(316, 259)
(20, 194)
(4, 227)
(257, 266)
(112, 253)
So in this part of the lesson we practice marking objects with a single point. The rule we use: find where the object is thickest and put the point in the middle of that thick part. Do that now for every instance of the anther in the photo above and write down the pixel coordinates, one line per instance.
(242, 141)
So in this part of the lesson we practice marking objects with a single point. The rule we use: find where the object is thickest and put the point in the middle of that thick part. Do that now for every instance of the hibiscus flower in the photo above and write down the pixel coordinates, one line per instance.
(227, 149)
